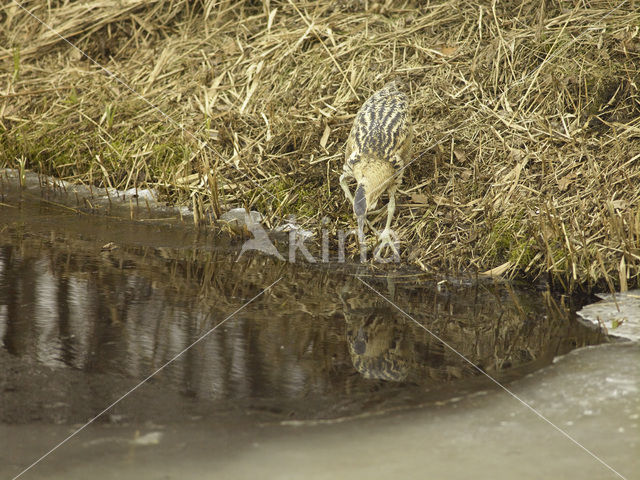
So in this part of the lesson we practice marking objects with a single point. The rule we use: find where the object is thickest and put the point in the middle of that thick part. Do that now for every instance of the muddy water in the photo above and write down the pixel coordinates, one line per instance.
(91, 305)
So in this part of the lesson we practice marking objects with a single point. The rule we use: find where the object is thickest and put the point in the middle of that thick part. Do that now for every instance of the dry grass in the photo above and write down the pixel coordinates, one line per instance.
(527, 116)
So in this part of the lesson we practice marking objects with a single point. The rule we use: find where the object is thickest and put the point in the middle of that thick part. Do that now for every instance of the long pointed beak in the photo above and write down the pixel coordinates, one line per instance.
(361, 228)
(360, 202)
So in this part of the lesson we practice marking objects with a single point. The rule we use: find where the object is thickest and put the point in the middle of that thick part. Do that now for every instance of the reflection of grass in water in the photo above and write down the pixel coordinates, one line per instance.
(303, 324)
(533, 111)
(501, 331)
(164, 295)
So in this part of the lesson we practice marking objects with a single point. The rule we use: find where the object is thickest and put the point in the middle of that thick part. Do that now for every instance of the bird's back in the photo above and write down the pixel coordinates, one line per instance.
(381, 130)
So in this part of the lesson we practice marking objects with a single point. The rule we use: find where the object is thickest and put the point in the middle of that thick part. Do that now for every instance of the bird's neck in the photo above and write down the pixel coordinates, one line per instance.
(374, 174)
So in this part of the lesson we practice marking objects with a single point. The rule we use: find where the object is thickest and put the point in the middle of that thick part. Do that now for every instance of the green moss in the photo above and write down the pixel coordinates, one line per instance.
(510, 239)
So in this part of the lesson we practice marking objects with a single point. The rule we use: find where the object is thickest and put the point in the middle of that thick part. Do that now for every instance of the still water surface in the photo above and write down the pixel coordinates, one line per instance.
(81, 323)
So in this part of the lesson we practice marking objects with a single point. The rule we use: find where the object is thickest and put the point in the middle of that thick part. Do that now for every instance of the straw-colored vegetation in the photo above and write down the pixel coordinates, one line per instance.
(526, 116)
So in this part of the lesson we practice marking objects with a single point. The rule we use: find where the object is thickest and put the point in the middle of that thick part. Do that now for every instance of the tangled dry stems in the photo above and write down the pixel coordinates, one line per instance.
(526, 116)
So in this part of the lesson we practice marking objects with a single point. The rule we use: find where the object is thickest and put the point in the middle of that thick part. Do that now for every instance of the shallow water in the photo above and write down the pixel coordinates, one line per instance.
(91, 305)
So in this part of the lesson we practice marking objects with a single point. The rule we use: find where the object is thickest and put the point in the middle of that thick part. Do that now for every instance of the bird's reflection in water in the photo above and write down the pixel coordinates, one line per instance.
(379, 342)
(499, 334)
(319, 344)
(380, 347)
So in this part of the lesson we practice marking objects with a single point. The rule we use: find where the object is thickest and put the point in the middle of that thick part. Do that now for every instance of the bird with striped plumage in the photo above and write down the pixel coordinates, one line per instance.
(377, 150)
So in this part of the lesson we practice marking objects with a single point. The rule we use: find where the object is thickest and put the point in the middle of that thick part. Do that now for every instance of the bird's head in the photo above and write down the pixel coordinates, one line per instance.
(367, 193)
(365, 199)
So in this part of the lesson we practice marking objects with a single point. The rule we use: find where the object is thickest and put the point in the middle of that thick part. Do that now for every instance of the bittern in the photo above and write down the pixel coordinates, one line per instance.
(378, 147)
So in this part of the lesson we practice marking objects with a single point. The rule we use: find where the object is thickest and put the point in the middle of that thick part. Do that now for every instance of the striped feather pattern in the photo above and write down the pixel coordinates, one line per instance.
(381, 134)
